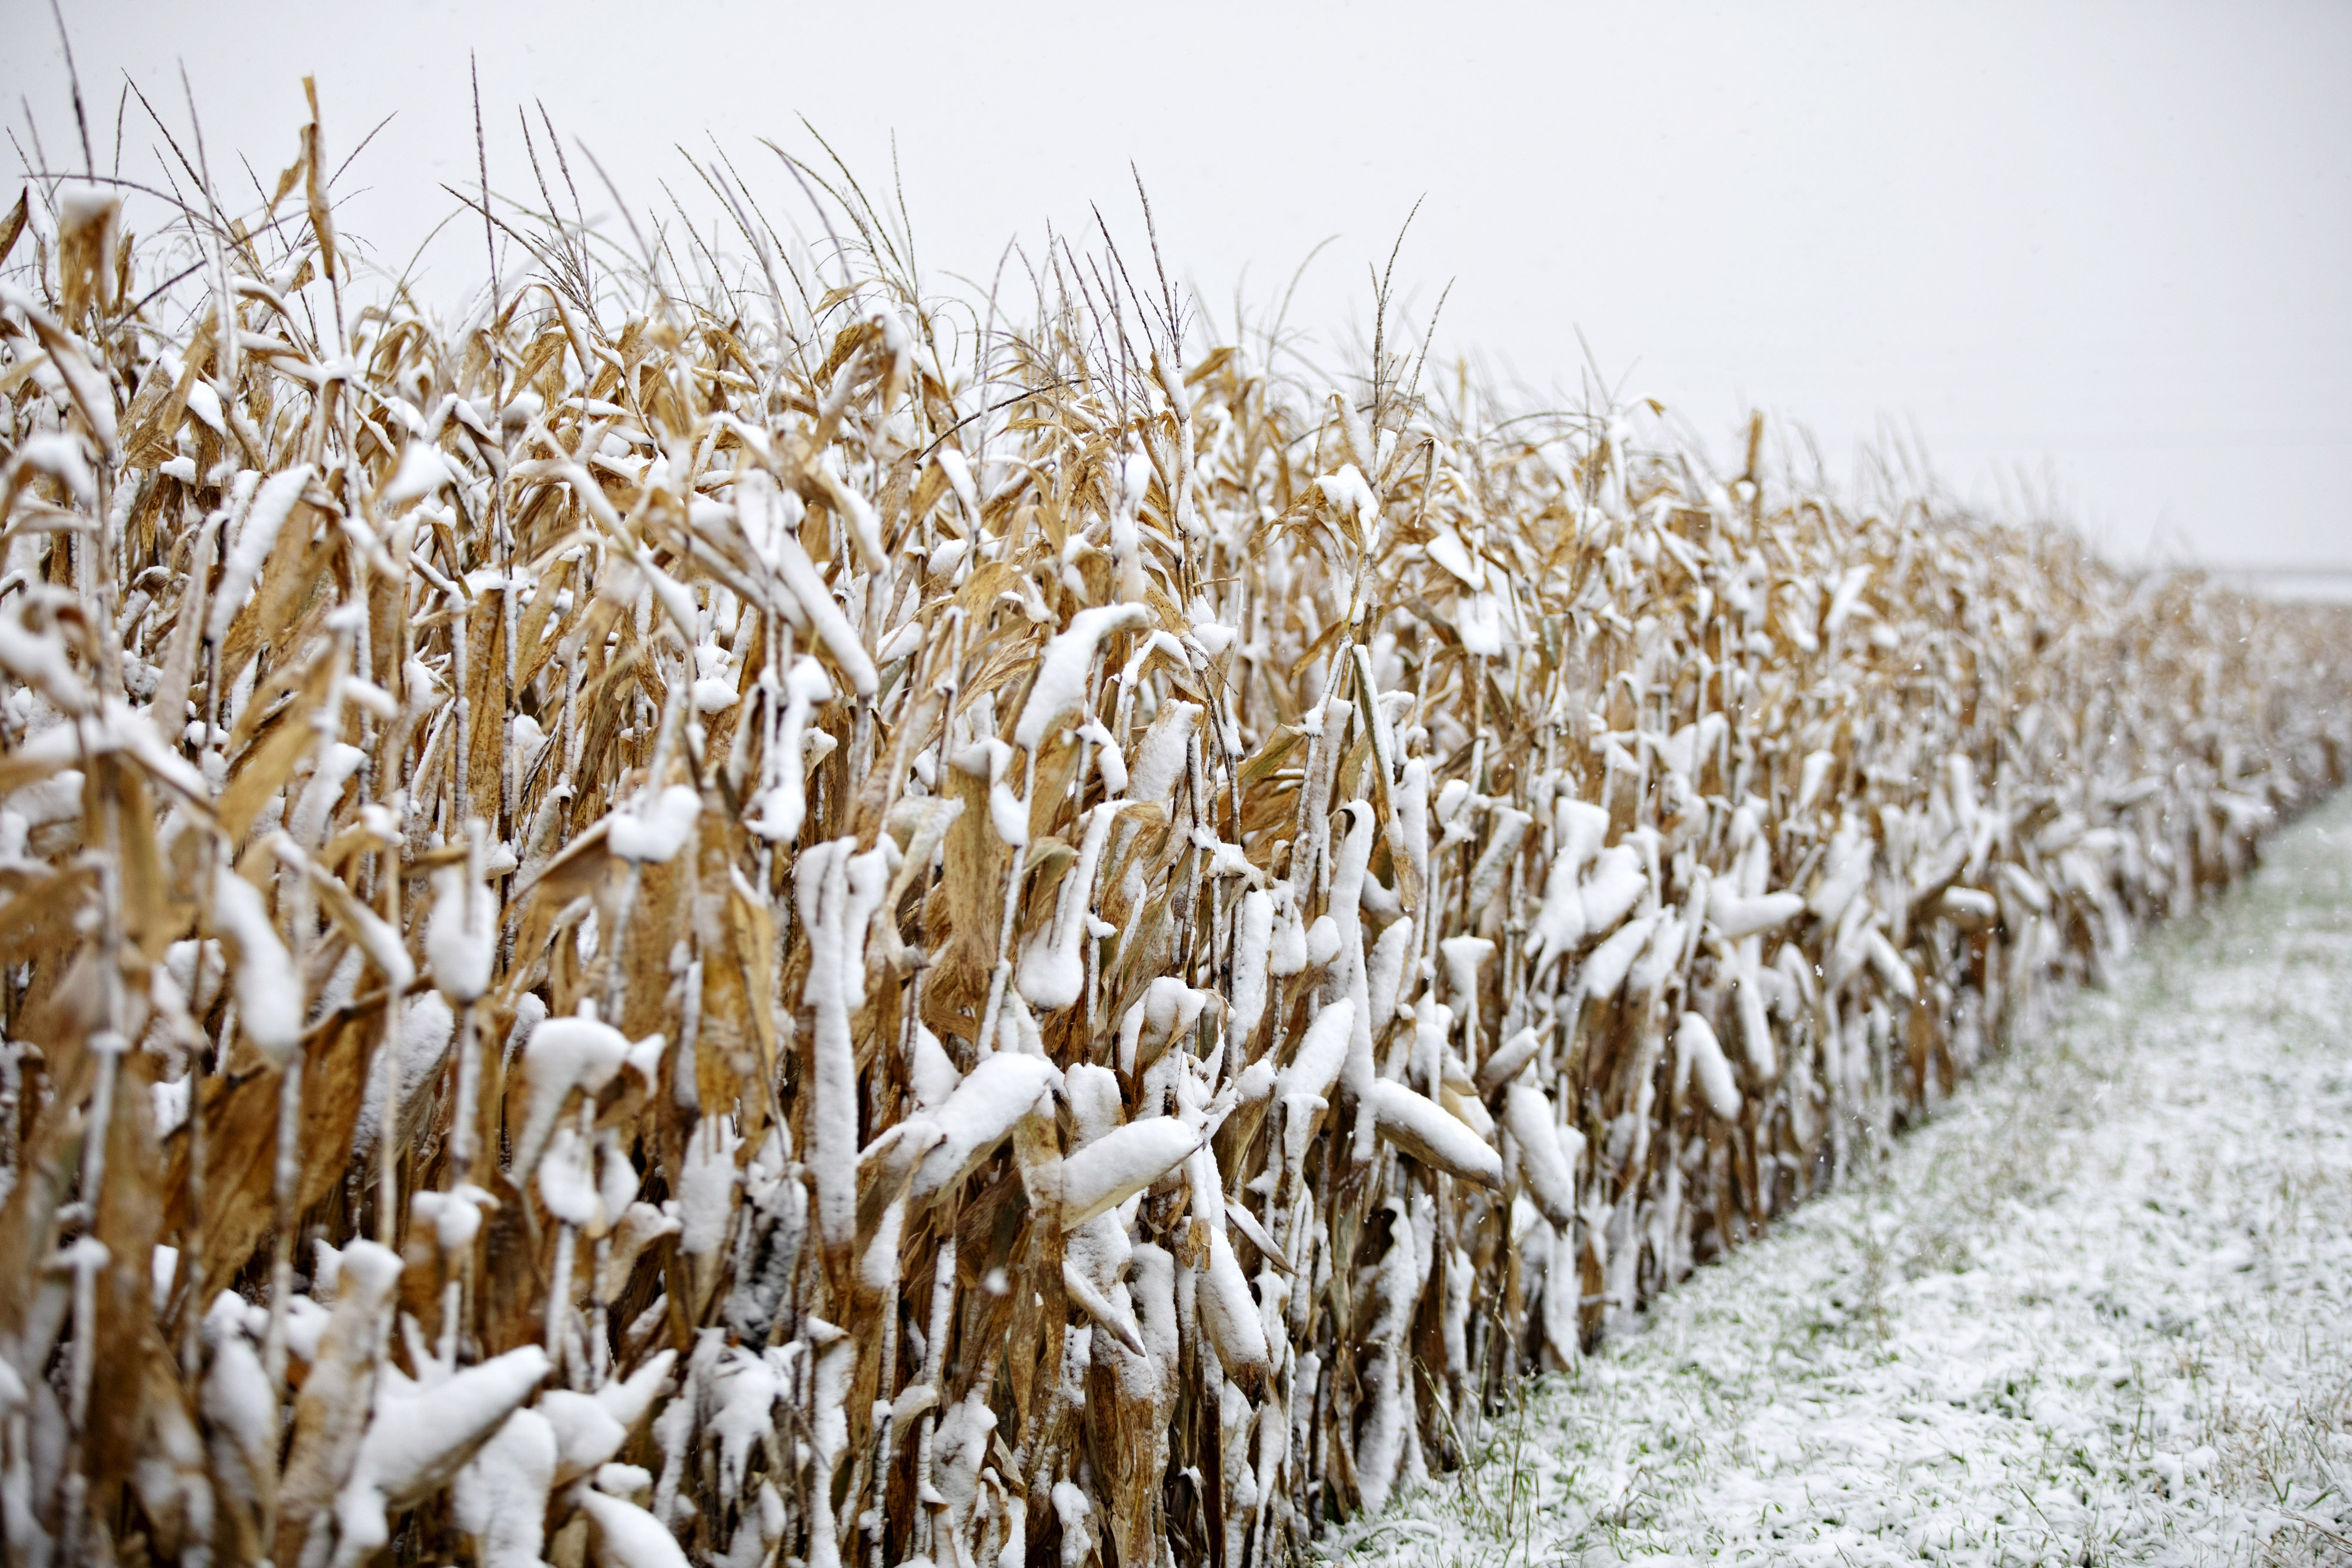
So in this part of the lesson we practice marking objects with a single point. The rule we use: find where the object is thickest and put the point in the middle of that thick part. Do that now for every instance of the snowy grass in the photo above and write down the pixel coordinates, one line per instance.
(2098, 1310)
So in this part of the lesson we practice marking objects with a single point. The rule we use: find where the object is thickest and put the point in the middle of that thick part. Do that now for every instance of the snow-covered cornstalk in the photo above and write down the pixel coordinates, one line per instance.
(659, 927)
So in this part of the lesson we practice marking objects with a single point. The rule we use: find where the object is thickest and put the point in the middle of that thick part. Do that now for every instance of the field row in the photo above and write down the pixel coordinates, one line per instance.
(713, 914)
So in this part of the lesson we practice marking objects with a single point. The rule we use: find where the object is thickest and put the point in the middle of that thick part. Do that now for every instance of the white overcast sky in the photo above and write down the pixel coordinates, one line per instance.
(2106, 248)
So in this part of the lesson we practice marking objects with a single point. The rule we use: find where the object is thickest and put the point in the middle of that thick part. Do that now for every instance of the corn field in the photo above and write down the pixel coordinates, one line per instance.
(733, 913)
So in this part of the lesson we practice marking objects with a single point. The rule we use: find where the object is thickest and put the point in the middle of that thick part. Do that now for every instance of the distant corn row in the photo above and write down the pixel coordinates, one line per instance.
(719, 924)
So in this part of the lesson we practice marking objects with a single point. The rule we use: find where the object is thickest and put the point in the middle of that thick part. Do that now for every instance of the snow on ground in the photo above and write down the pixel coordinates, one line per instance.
(2098, 1310)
